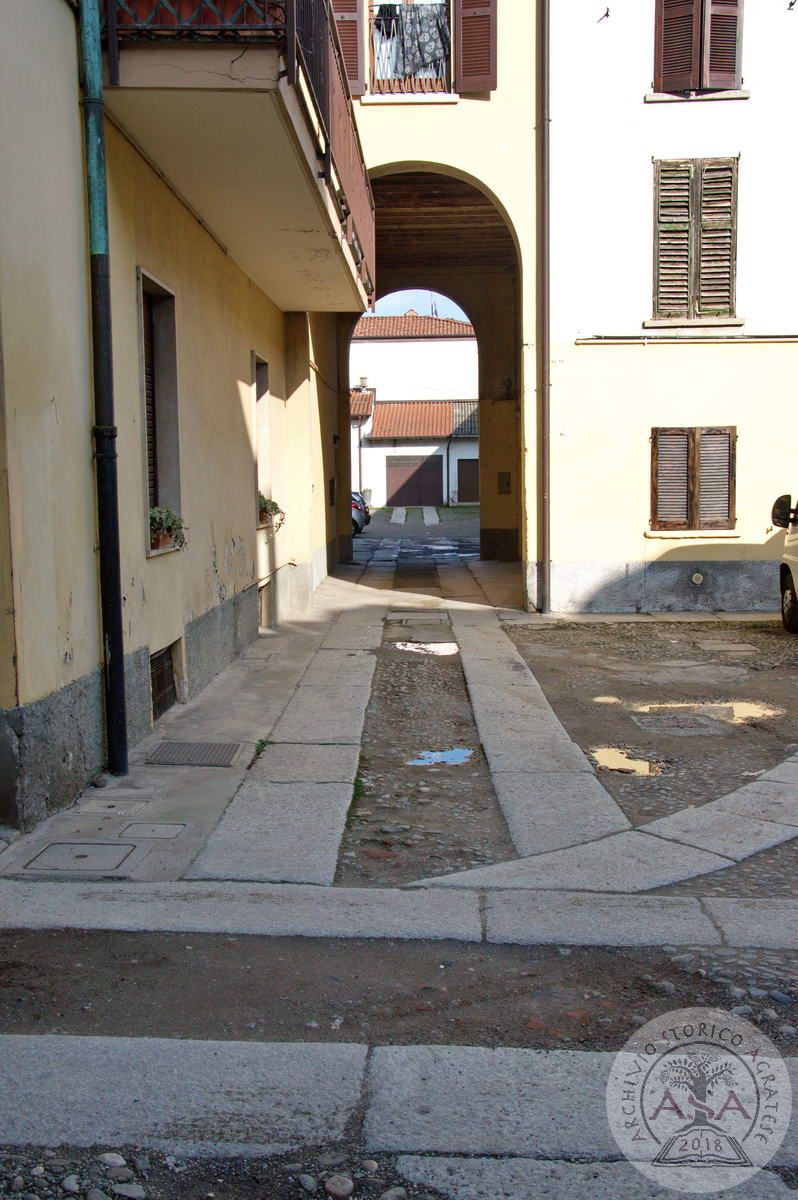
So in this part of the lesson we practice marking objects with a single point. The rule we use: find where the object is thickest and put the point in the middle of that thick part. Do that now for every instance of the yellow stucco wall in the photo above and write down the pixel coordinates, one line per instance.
(45, 350)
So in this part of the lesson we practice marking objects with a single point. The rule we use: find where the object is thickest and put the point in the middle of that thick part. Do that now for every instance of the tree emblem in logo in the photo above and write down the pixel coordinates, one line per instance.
(698, 1100)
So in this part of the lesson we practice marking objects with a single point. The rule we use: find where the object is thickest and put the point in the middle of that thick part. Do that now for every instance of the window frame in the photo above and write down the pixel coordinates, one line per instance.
(693, 522)
(167, 405)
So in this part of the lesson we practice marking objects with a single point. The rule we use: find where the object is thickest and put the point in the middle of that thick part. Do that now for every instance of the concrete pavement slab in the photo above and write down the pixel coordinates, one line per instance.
(278, 832)
(430, 515)
(323, 714)
(472, 1100)
(399, 516)
(188, 1096)
(527, 1179)
(534, 918)
(269, 910)
(354, 668)
(516, 750)
(628, 862)
(285, 763)
(748, 922)
(786, 772)
(548, 810)
(767, 799)
(712, 827)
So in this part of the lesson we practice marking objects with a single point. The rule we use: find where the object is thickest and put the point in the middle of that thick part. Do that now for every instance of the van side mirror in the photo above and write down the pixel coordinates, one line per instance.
(782, 513)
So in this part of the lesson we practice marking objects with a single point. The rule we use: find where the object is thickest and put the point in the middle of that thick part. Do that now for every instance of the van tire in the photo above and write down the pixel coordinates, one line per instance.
(356, 531)
(789, 604)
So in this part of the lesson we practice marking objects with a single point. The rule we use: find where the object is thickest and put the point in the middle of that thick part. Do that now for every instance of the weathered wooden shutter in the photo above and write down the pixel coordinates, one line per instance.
(475, 23)
(672, 238)
(723, 39)
(677, 46)
(670, 478)
(717, 238)
(349, 23)
(716, 478)
(149, 398)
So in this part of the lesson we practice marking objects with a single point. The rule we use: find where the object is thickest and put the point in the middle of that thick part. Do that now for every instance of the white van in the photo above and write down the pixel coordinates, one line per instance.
(786, 517)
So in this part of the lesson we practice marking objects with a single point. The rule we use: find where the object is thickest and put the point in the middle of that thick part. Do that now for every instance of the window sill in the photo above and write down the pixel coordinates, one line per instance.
(162, 550)
(693, 97)
(696, 323)
(690, 535)
(412, 98)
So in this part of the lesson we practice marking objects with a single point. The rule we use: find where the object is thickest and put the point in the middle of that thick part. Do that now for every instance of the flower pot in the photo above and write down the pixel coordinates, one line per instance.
(160, 540)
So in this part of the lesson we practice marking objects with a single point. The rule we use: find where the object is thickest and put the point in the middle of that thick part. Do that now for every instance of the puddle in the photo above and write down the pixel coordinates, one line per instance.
(610, 758)
(442, 649)
(607, 700)
(737, 712)
(430, 758)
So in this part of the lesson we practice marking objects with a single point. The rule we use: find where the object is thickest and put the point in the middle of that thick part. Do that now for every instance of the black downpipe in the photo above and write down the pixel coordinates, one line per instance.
(544, 599)
(104, 431)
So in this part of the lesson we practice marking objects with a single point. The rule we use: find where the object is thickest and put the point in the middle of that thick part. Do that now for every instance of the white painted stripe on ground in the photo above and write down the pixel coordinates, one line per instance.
(430, 515)
(189, 1096)
(399, 516)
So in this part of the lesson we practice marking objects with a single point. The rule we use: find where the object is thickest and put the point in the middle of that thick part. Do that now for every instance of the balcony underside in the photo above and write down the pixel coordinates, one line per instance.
(241, 147)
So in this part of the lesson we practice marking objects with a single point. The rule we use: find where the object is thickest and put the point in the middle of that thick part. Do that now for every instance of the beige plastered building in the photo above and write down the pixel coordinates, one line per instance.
(254, 209)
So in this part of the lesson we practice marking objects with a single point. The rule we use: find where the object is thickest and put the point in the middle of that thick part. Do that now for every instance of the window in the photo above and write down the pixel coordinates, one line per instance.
(159, 368)
(695, 238)
(698, 45)
(162, 682)
(693, 478)
(263, 476)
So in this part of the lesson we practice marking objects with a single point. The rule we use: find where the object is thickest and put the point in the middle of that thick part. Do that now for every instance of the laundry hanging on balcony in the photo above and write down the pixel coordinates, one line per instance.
(423, 39)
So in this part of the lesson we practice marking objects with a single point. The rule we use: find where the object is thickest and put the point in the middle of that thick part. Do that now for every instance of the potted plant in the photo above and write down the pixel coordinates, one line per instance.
(167, 528)
(270, 513)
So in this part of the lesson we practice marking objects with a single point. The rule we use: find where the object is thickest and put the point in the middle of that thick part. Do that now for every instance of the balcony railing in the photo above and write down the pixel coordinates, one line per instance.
(410, 47)
(306, 31)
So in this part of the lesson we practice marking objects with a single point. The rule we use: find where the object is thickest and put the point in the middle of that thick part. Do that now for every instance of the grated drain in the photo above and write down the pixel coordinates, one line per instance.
(681, 724)
(194, 754)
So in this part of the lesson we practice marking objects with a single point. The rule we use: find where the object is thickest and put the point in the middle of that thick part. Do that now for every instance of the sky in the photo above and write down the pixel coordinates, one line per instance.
(399, 302)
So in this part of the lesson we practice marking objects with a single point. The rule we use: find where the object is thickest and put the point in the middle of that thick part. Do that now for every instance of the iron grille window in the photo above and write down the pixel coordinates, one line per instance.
(162, 682)
(693, 478)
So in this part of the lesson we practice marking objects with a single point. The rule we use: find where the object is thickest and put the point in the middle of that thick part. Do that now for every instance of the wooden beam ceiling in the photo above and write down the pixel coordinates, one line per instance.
(437, 221)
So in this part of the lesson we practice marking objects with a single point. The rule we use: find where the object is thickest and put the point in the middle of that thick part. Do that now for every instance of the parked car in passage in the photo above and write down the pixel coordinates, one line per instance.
(358, 518)
(361, 500)
(784, 516)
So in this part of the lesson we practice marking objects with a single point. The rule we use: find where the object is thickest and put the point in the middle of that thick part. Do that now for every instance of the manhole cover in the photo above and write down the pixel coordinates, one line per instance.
(194, 754)
(80, 856)
(139, 829)
(681, 725)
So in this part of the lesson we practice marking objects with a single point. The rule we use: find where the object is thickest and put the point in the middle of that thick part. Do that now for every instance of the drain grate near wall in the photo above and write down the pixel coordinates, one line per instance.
(194, 754)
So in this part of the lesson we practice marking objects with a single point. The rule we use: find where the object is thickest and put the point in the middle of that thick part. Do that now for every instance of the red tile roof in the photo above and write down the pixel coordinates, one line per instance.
(425, 419)
(361, 402)
(411, 325)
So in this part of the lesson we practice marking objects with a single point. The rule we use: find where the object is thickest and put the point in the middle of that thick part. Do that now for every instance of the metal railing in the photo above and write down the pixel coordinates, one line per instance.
(395, 66)
(306, 31)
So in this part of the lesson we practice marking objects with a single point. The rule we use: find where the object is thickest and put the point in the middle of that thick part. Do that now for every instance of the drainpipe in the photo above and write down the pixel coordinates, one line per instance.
(104, 431)
(448, 473)
(544, 598)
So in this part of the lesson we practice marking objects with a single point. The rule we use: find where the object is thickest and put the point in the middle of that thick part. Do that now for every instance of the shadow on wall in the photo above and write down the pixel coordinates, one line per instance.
(724, 576)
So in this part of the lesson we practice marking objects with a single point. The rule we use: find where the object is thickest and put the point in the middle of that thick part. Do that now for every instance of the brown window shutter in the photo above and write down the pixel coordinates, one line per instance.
(149, 398)
(673, 192)
(716, 454)
(717, 237)
(723, 39)
(671, 459)
(475, 45)
(677, 46)
(349, 23)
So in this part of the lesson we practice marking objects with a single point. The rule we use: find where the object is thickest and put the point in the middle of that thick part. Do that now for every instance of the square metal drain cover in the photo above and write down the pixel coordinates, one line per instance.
(681, 725)
(194, 754)
(80, 856)
(140, 829)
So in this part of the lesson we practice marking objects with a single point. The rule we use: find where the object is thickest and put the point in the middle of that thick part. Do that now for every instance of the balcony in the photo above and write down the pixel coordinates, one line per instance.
(410, 48)
(244, 107)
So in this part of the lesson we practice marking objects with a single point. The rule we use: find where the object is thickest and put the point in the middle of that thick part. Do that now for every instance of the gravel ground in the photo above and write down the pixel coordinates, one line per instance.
(408, 822)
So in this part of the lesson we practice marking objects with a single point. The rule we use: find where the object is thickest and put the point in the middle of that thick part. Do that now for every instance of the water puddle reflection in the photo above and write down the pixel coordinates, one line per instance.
(610, 758)
(442, 649)
(430, 758)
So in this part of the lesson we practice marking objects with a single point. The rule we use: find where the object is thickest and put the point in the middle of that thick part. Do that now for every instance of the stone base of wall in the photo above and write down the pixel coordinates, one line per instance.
(51, 749)
(674, 586)
(499, 544)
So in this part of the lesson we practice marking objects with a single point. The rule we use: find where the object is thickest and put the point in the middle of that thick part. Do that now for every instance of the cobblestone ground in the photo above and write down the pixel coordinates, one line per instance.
(709, 705)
